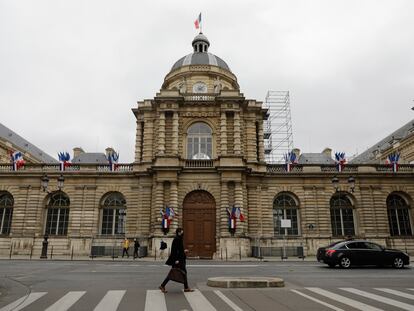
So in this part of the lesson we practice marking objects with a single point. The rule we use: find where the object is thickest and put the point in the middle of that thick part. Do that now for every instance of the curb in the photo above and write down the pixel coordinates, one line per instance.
(245, 282)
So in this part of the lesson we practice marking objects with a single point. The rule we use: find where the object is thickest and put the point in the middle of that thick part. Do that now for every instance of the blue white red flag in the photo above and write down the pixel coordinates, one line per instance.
(64, 158)
(340, 160)
(392, 160)
(17, 160)
(197, 22)
(113, 161)
(290, 160)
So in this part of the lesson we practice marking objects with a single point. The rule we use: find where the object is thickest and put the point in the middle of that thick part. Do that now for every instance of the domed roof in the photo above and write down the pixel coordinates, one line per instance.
(200, 56)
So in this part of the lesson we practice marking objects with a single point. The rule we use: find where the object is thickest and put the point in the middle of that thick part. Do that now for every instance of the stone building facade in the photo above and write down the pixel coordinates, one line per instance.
(199, 150)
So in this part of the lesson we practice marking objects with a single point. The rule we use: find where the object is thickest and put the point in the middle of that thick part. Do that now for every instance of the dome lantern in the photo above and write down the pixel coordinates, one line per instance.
(200, 43)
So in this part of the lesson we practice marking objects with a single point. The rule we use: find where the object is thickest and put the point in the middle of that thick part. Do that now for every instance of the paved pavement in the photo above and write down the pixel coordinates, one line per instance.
(109, 286)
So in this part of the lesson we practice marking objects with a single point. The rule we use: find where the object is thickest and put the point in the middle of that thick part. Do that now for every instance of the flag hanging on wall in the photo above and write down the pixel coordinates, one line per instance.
(64, 158)
(340, 160)
(392, 160)
(16, 160)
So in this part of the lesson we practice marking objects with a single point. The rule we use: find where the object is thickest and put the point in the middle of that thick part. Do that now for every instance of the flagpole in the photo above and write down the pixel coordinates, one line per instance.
(201, 23)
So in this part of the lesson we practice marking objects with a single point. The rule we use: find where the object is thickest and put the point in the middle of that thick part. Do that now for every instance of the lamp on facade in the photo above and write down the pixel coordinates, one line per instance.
(45, 182)
(351, 183)
(335, 183)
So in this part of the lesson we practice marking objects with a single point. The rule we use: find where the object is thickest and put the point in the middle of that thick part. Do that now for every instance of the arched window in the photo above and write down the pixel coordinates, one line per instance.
(398, 215)
(199, 141)
(342, 215)
(113, 214)
(285, 207)
(6, 212)
(57, 219)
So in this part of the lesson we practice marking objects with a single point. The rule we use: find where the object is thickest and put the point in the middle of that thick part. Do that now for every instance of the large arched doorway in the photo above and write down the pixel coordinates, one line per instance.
(199, 223)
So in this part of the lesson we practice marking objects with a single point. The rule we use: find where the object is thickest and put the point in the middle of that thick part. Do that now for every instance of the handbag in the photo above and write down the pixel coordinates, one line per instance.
(177, 275)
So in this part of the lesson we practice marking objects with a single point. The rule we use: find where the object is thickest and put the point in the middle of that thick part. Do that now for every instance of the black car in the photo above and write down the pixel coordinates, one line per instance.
(320, 254)
(364, 253)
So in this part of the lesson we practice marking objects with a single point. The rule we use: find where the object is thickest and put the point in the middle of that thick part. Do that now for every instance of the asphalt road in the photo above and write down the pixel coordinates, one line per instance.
(128, 285)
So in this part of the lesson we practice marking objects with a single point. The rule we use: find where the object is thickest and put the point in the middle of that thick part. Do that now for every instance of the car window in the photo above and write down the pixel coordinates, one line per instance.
(356, 245)
(373, 246)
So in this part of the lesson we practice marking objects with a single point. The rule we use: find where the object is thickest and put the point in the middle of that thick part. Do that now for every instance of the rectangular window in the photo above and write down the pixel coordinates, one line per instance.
(5, 220)
(57, 221)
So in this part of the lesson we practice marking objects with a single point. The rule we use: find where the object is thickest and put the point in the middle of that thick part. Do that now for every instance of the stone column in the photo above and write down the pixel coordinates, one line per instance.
(175, 134)
(261, 146)
(159, 204)
(238, 201)
(223, 134)
(224, 204)
(174, 205)
(138, 141)
(161, 134)
(148, 137)
(237, 141)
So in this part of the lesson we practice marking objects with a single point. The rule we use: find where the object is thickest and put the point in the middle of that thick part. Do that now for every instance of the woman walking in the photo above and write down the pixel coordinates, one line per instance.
(177, 260)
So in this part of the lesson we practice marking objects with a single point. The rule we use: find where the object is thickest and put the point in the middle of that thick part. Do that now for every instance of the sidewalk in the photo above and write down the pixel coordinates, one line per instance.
(158, 260)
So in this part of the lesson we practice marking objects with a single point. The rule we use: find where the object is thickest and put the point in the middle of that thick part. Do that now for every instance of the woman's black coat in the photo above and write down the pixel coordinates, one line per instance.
(177, 253)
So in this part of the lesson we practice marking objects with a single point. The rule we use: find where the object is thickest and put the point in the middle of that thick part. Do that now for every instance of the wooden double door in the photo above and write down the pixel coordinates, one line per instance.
(199, 223)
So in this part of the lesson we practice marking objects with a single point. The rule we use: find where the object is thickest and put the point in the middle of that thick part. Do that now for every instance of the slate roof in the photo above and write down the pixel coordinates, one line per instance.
(200, 59)
(91, 158)
(368, 156)
(24, 145)
(315, 158)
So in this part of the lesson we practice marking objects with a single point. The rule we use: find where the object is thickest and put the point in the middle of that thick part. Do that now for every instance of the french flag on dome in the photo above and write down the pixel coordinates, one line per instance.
(392, 160)
(17, 160)
(290, 160)
(113, 158)
(64, 159)
(340, 160)
(197, 22)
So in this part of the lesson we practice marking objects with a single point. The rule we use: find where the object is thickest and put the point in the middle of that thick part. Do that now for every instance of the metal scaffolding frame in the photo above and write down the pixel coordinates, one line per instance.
(278, 137)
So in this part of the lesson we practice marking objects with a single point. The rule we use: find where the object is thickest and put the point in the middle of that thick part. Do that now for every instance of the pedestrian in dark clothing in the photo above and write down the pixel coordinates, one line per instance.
(136, 248)
(177, 259)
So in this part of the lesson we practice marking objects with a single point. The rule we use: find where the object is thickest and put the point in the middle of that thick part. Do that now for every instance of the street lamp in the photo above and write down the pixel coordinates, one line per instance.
(45, 182)
(335, 183)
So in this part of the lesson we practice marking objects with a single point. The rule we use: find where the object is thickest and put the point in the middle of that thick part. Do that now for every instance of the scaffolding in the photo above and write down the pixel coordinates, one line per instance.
(278, 137)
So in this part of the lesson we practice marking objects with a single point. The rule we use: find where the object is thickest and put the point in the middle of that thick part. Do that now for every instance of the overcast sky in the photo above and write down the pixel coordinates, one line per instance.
(70, 71)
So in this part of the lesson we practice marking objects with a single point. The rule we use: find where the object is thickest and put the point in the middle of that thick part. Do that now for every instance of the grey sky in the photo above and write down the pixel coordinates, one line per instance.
(70, 71)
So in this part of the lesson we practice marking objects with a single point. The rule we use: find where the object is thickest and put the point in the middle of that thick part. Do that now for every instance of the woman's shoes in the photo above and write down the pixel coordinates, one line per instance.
(162, 288)
(188, 290)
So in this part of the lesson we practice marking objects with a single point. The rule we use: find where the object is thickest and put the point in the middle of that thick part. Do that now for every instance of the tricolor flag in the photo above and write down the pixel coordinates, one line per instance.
(113, 161)
(197, 22)
(290, 159)
(392, 160)
(64, 158)
(340, 160)
(17, 160)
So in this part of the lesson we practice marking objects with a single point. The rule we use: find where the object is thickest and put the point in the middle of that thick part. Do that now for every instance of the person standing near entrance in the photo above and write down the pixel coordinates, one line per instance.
(177, 259)
(136, 248)
(125, 247)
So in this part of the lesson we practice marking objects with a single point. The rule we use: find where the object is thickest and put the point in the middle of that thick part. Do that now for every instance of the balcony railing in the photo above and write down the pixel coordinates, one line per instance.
(281, 168)
(200, 97)
(199, 163)
(73, 168)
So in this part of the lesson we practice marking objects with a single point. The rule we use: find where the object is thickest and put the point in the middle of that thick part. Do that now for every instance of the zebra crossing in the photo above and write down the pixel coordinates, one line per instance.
(338, 299)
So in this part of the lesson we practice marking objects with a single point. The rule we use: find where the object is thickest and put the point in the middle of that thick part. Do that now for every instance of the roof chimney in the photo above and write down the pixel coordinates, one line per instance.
(109, 151)
(77, 151)
(328, 152)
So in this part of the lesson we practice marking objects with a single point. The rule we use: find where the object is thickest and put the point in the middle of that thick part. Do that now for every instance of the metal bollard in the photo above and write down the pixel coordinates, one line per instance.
(113, 253)
(155, 254)
(226, 253)
(11, 249)
(51, 252)
(31, 252)
(71, 255)
(240, 252)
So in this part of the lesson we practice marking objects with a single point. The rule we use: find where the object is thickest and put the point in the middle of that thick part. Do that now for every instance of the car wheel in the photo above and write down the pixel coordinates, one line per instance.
(398, 263)
(331, 265)
(345, 262)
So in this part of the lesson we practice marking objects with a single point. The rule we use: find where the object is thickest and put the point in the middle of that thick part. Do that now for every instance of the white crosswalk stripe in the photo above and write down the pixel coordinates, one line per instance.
(228, 301)
(111, 301)
(396, 293)
(155, 300)
(23, 302)
(342, 299)
(66, 301)
(382, 299)
(317, 300)
(198, 302)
